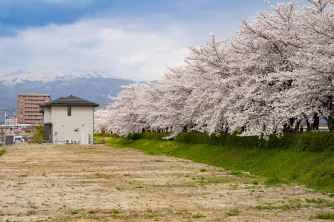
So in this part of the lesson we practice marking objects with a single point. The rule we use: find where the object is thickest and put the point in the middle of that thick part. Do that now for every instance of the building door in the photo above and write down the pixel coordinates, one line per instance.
(48, 132)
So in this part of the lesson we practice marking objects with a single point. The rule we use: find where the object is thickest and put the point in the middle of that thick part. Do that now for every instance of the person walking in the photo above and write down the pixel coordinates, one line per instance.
(301, 129)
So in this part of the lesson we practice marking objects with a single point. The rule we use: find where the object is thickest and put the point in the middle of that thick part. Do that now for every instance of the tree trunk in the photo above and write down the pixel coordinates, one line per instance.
(316, 120)
(330, 122)
(288, 127)
(308, 124)
(185, 129)
(292, 120)
(297, 126)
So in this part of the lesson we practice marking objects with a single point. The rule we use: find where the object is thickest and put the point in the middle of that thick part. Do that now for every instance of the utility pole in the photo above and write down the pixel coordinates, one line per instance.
(17, 122)
(5, 120)
(13, 120)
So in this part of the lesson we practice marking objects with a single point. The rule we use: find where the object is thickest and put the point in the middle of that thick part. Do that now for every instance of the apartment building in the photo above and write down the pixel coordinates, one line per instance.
(28, 108)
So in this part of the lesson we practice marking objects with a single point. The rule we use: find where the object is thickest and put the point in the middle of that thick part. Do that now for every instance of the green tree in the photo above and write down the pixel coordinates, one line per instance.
(40, 134)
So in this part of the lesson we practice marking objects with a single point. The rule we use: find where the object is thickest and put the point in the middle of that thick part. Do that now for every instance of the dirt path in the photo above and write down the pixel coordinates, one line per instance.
(85, 183)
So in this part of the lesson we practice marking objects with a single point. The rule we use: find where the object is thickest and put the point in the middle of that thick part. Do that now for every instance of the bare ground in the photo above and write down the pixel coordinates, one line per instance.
(95, 182)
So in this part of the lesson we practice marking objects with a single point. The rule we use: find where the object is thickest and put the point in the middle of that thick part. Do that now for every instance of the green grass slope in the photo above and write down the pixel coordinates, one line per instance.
(312, 169)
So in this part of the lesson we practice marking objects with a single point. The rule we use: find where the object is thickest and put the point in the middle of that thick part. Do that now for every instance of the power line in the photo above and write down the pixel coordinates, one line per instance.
(3, 104)
(7, 106)
(8, 99)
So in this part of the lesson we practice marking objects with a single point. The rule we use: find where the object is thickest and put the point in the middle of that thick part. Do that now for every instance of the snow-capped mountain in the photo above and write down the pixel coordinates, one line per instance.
(93, 86)
(47, 75)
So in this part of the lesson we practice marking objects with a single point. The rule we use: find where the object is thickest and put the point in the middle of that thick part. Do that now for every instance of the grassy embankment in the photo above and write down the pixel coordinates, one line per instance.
(312, 169)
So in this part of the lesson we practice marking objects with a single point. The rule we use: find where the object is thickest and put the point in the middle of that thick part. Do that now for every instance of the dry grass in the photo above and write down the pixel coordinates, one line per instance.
(88, 183)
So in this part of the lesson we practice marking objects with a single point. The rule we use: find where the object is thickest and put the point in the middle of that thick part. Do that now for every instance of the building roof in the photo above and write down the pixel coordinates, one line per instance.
(33, 94)
(69, 101)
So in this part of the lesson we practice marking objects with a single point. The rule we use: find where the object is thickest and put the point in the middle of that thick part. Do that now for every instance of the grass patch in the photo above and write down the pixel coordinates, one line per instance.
(316, 201)
(99, 175)
(320, 201)
(199, 215)
(328, 216)
(2, 152)
(255, 182)
(285, 207)
(313, 169)
(233, 212)
(21, 183)
(265, 207)
(272, 181)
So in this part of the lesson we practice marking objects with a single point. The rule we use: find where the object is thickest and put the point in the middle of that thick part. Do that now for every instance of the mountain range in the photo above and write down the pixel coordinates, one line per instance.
(92, 86)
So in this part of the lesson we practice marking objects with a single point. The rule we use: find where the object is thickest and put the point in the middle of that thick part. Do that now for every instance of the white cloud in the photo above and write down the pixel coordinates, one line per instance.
(96, 45)
(129, 60)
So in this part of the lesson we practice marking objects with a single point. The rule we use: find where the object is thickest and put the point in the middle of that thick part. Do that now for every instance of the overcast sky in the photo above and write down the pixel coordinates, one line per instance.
(133, 39)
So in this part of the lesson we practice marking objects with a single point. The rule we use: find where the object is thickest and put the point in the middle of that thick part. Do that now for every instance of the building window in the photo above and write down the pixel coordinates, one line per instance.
(21, 116)
(21, 120)
(20, 96)
(21, 100)
(68, 111)
(21, 104)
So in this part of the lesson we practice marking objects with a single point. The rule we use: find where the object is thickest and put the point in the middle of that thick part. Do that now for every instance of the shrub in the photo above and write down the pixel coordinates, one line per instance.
(134, 136)
(311, 141)
(223, 139)
(153, 136)
(40, 134)
(193, 138)
(115, 135)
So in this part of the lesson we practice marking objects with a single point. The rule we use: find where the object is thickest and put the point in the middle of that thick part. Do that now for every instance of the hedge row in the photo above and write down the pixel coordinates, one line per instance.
(107, 135)
(148, 135)
(312, 141)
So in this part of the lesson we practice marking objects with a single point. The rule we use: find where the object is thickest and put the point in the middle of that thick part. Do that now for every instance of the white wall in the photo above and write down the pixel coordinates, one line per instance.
(63, 125)
(47, 115)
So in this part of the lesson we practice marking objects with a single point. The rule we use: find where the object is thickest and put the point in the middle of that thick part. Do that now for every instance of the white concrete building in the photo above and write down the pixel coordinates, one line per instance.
(69, 120)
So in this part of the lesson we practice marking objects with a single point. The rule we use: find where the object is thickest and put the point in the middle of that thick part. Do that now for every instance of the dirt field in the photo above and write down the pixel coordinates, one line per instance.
(88, 183)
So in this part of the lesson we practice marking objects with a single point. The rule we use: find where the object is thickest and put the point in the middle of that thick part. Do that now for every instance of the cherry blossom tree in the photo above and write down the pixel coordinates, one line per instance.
(275, 72)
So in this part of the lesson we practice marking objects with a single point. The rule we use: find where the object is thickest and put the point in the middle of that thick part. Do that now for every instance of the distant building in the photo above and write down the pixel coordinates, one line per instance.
(28, 108)
(11, 121)
(69, 120)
